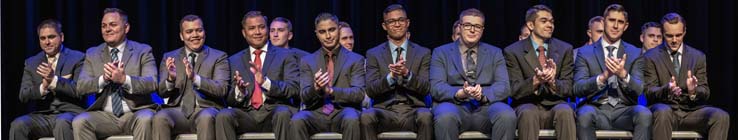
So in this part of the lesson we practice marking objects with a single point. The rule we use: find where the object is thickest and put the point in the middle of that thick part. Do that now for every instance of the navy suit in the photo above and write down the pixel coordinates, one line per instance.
(453, 116)
(55, 110)
(597, 113)
(673, 112)
(348, 92)
(539, 107)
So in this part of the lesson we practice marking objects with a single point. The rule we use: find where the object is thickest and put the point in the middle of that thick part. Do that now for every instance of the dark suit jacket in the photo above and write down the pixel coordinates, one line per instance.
(68, 65)
(591, 62)
(521, 63)
(658, 69)
(139, 65)
(415, 90)
(298, 52)
(279, 66)
(211, 65)
(348, 79)
(447, 74)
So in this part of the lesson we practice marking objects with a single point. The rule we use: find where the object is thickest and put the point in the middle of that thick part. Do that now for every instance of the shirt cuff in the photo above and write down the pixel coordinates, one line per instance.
(42, 90)
(627, 79)
(239, 96)
(390, 80)
(52, 85)
(196, 82)
(170, 85)
(127, 86)
(600, 84)
(267, 84)
(693, 97)
(101, 83)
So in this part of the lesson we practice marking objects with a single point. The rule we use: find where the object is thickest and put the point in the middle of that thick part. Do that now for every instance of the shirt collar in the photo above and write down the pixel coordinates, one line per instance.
(263, 49)
(535, 45)
(616, 44)
(120, 46)
(680, 50)
(393, 47)
(61, 48)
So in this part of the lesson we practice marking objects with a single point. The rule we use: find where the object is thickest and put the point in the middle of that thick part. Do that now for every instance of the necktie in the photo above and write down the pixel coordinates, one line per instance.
(399, 58)
(612, 93)
(51, 62)
(399, 96)
(328, 106)
(188, 101)
(256, 99)
(116, 95)
(541, 56)
(471, 66)
(675, 60)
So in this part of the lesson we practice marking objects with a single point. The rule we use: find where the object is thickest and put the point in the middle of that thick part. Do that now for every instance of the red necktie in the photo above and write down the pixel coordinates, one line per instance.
(256, 99)
(542, 56)
(328, 107)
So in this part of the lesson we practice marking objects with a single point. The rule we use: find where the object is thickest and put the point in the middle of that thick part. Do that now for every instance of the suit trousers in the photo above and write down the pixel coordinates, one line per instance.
(100, 124)
(635, 118)
(308, 122)
(35, 125)
(707, 120)
(534, 117)
(397, 118)
(496, 120)
(202, 122)
(229, 123)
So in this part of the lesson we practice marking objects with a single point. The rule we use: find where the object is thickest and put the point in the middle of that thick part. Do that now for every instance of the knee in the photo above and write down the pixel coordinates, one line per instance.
(585, 116)
(368, 117)
(661, 113)
(63, 123)
(144, 116)
(721, 117)
(223, 115)
(526, 114)
(447, 119)
(20, 124)
(282, 114)
(425, 118)
(80, 121)
(299, 120)
(642, 114)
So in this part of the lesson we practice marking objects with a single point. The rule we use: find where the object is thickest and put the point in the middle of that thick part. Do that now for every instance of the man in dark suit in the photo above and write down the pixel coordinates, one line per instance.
(397, 80)
(195, 80)
(608, 75)
(540, 69)
(470, 86)
(331, 86)
(48, 82)
(280, 34)
(261, 90)
(122, 74)
(676, 83)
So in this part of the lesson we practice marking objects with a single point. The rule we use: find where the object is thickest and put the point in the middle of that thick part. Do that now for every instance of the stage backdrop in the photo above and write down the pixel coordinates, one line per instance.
(711, 28)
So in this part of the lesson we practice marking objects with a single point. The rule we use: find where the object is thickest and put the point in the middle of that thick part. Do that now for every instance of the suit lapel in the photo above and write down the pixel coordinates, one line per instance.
(338, 65)
(481, 56)
(127, 53)
(686, 64)
(410, 55)
(105, 54)
(245, 72)
(600, 54)
(388, 50)
(456, 58)
(268, 60)
(667, 60)
(201, 58)
(61, 60)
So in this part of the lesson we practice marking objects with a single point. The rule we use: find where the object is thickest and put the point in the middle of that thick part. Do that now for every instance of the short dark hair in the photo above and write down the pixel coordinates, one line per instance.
(325, 16)
(593, 20)
(471, 12)
(120, 12)
(649, 25)
(285, 21)
(189, 18)
(343, 24)
(531, 14)
(252, 14)
(616, 8)
(50, 23)
(391, 8)
(673, 18)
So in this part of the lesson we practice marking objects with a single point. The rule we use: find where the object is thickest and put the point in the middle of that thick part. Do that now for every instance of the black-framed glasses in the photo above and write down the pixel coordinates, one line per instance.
(400, 21)
(469, 26)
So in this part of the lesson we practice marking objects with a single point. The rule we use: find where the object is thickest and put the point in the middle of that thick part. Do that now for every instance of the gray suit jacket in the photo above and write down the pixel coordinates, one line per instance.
(447, 74)
(67, 70)
(139, 65)
(658, 69)
(591, 62)
(211, 65)
(521, 63)
(413, 91)
(279, 65)
(348, 79)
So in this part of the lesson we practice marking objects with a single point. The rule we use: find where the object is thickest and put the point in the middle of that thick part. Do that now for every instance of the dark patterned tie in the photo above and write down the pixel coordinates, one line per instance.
(328, 106)
(471, 66)
(189, 99)
(612, 84)
(116, 95)
(542, 56)
(675, 60)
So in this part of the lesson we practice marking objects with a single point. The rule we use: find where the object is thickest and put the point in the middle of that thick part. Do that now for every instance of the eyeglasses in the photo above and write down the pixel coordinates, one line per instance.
(469, 26)
(399, 21)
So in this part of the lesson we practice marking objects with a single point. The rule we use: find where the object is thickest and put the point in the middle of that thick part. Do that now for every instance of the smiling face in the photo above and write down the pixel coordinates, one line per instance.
(346, 38)
(50, 40)
(396, 24)
(192, 34)
(255, 31)
(114, 29)
(615, 24)
(327, 33)
(279, 34)
(543, 26)
(472, 28)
